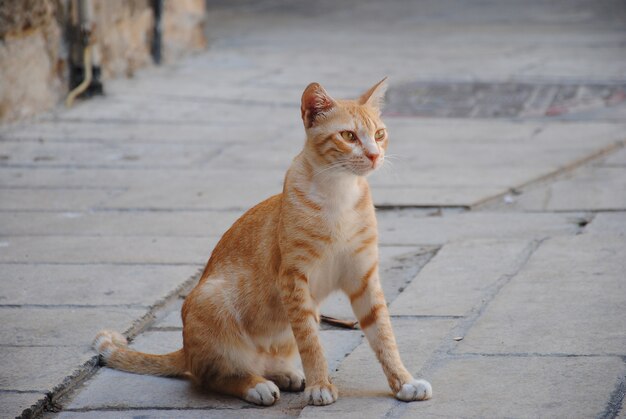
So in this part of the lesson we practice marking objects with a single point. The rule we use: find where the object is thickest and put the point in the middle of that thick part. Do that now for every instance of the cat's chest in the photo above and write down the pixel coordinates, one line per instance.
(338, 214)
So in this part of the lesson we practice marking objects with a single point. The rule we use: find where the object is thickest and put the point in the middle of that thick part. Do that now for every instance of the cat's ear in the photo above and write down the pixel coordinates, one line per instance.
(315, 102)
(375, 96)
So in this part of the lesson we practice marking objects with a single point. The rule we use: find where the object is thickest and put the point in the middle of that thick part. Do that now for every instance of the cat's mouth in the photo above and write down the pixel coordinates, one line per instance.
(364, 168)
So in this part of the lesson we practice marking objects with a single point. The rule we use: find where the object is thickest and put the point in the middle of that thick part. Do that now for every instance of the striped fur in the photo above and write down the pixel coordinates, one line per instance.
(255, 308)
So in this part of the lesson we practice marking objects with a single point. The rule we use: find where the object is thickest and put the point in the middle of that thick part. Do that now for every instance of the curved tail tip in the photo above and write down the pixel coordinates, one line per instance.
(107, 341)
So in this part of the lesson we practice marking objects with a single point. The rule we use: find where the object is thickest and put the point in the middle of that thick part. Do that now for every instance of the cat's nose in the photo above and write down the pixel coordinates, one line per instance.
(372, 156)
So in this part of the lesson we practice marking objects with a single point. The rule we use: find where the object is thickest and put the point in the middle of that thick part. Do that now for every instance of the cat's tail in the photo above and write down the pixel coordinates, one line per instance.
(113, 348)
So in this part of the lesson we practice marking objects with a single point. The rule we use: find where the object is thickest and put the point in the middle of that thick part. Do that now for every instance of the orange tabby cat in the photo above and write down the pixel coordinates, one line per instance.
(256, 305)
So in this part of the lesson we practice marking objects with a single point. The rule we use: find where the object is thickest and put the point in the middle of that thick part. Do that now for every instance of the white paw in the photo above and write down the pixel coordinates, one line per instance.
(289, 381)
(107, 341)
(263, 394)
(415, 390)
(321, 395)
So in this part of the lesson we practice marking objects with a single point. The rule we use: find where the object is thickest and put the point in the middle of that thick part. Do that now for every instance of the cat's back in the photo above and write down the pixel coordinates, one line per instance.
(251, 240)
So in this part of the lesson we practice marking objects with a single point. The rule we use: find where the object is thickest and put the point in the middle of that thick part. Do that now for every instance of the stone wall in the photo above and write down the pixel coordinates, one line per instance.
(34, 52)
(31, 67)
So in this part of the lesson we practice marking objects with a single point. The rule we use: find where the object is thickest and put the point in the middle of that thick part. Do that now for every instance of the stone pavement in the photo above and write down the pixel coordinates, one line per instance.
(503, 234)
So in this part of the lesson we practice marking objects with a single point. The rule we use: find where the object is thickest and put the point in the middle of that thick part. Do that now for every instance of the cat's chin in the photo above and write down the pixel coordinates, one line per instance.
(363, 171)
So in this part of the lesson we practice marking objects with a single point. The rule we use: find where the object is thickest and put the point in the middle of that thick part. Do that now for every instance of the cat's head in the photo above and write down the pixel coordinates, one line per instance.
(345, 135)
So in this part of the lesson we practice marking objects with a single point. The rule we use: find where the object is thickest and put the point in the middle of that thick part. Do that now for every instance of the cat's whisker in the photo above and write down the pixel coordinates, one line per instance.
(331, 166)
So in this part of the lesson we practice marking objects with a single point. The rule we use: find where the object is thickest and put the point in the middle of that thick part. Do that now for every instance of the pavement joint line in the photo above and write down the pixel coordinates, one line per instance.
(152, 122)
(61, 306)
(443, 353)
(384, 207)
(615, 403)
(118, 141)
(100, 263)
(165, 329)
(92, 235)
(184, 209)
(557, 211)
(166, 408)
(461, 355)
(95, 166)
(11, 345)
(424, 316)
(551, 176)
(22, 391)
(63, 188)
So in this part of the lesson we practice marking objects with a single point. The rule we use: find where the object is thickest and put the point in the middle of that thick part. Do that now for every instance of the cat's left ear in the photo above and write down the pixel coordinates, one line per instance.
(375, 96)
(315, 103)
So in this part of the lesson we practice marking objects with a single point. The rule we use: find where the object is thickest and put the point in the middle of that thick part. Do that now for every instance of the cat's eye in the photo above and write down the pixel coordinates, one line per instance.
(380, 134)
(348, 136)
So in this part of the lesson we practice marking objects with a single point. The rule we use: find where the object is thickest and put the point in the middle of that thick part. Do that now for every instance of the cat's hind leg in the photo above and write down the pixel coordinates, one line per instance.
(281, 369)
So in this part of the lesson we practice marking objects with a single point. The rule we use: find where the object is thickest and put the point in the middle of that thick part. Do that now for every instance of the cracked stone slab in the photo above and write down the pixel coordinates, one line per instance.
(140, 250)
(521, 387)
(26, 326)
(459, 277)
(412, 227)
(112, 389)
(90, 285)
(570, 298)
(363, 388)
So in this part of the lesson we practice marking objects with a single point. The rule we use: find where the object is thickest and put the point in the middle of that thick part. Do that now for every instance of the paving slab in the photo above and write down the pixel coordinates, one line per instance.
(117, 223)
(14, 403)
(138, 250)
(115, 389)
(253, 412)
(568, 299)
(171, 320)
(90, 285)
(39, 368)
(413, 227)
(453, 196)
(190, 178)
(519, 387)
(29, 326)
(460, 277)
(236, 193)
(106, 154)
(604, 189)
(618, 158)
(24, 199)
(86, 131)
(607, 223)
(363, 388)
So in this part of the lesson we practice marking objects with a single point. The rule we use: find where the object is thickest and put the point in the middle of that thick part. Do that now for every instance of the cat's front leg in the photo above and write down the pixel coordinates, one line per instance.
(368, 303)
(304, 319)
